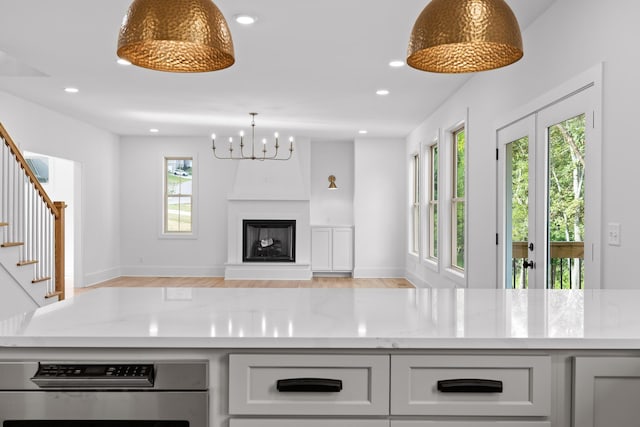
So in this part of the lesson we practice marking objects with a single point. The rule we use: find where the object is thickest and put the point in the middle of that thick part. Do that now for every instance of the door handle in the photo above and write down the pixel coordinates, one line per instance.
(528, 264)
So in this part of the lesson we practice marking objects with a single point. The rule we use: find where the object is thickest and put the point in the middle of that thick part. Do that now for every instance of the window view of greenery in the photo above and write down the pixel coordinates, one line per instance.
(178, 195)
(457, 258)
(518, 153)
(566, 205)
(433, 204)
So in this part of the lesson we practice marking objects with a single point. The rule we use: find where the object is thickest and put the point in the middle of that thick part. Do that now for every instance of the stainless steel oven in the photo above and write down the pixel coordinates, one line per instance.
(104, 394)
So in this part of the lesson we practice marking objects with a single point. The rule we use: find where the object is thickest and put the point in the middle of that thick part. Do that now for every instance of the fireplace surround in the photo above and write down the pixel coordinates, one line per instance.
(268, 240)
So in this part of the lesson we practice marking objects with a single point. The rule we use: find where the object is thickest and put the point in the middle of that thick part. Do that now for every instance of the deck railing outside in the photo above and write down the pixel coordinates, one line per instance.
(566, 270)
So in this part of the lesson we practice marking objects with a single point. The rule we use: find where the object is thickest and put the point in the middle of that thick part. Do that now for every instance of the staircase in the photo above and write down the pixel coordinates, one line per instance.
(31, 230)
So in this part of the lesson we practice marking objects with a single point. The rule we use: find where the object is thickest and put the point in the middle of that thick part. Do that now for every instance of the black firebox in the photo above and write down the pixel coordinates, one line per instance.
(268, 240)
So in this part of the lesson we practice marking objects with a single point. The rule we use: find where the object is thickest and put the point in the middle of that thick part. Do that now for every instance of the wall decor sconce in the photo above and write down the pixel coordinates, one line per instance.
(332, 183)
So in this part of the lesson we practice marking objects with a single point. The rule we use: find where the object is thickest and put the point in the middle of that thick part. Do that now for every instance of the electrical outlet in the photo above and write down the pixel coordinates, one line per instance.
(613, 234)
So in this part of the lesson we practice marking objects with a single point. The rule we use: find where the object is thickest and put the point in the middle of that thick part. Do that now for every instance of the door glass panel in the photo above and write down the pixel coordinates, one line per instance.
(517, 212)
(566, 203)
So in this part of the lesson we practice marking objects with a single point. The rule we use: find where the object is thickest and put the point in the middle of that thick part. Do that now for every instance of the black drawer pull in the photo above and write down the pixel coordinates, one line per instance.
(324, 385)
(470, 385)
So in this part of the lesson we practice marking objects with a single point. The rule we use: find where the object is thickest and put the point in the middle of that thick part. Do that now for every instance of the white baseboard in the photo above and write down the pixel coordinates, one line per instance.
(99, 276)
(375, 273)
(273, 271)
(417, 281)
(171, 271)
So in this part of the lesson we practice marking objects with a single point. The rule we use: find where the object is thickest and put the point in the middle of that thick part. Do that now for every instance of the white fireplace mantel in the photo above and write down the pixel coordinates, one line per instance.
(271, 190)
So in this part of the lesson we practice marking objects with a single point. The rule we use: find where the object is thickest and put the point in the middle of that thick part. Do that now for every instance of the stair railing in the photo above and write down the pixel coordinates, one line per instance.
(30, 219)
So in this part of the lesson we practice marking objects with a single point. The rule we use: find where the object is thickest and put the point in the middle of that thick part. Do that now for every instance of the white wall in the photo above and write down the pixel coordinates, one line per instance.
(143, 251)
(332, 207)
(379, 208)
(15, 300)
(569, 38)
(37, 129)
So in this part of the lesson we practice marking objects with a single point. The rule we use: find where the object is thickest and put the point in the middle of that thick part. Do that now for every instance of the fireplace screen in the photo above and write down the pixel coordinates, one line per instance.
(268, 240)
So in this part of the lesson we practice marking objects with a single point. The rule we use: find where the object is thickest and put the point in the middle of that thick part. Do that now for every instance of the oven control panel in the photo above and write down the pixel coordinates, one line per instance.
(94, 375)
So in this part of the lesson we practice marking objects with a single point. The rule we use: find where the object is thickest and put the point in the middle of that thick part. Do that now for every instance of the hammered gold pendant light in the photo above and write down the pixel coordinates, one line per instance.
(183, 36)
(462, 36)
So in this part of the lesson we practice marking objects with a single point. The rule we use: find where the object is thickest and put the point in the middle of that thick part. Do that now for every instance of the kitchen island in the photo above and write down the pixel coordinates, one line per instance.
(537, 358)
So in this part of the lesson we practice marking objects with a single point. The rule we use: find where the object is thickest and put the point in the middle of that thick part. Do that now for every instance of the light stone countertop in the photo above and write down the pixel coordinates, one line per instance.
(332, 318)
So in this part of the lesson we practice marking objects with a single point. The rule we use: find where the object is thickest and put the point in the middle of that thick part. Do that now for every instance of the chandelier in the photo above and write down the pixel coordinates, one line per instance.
(254, 154)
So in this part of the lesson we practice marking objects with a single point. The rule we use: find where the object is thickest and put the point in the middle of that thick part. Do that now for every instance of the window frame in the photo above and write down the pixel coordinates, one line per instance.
(414, 244)
(456, 200)
(432, 200)
(429, 204)
(164, 232)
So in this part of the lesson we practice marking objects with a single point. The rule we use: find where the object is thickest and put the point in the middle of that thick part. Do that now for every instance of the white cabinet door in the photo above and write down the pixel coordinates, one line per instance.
(606, 392)
(259, 422)
(308, 384)
(465, 385)
(321, 249)
(342, 249)
(471, 423)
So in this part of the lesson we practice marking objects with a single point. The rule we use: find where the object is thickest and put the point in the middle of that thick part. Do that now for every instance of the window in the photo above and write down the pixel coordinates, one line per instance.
(178, 195)
(432, 237)
(414, 246)
(458, 200)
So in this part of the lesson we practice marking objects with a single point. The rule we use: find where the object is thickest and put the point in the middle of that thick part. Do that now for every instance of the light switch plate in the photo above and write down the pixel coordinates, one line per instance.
(613, 234)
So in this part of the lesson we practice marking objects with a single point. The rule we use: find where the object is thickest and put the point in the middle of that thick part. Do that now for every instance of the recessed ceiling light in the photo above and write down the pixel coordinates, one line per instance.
(123, 61)
(396, 64)
(154, 130)
(71, 89)
(362, 132)
(382, 92)
(245, 19)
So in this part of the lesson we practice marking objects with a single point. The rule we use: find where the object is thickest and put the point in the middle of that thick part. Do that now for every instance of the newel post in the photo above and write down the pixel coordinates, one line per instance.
(59, 249)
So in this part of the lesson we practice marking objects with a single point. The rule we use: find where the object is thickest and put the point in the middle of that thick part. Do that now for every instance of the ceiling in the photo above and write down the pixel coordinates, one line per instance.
(309, 68)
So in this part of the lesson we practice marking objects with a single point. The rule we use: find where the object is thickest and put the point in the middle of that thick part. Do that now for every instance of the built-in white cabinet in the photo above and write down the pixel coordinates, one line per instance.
(386, 390)
(279, 422)
(471, 423)
(310, 384)
(462, 385)
(332, 249)
(606, 392)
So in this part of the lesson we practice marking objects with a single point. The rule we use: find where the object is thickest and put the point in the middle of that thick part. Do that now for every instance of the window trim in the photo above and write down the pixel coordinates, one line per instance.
(459, 277)
(179, 235)
(415, 211)
(429, 203)
(456, 200)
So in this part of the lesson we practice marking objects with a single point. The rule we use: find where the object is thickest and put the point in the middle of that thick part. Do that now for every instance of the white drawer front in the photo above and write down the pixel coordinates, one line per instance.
(526, 385)
(253, 379)
(470, 424)
(256, 422)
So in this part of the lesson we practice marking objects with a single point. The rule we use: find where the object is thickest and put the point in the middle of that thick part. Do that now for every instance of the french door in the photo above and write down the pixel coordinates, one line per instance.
(549, 197)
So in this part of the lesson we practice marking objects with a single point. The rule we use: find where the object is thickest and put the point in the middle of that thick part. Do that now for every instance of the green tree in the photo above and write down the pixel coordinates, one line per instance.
(566, 154)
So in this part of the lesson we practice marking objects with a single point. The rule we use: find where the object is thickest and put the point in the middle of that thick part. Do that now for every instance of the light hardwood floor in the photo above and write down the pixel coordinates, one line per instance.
(219, 282)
